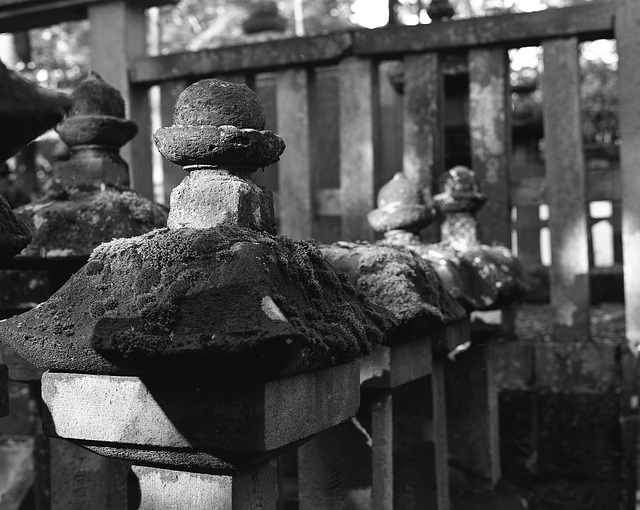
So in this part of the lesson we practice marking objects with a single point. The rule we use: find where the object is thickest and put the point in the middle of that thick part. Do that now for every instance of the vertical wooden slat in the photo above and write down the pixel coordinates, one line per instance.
(628, 37)
(172, 173)
(294, 183)
(118, 33)
(569, 275)
(423, 152)
(490, 125)
(358, 95)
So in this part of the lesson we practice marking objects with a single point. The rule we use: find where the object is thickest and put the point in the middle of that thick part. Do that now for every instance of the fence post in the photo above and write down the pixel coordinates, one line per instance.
(119, 33)
(565, 169)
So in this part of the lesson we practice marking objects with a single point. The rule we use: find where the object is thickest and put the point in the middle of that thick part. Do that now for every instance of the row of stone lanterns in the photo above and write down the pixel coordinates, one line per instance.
(201, 351)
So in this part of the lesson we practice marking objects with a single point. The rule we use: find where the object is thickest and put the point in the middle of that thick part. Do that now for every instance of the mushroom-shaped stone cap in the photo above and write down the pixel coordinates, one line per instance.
(219, 123)
(97, 116)
(459, 192)
(400, 206)
(26, 111)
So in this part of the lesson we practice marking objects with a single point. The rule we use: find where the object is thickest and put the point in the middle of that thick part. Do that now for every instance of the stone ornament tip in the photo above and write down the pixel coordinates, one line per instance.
(459, 192)
(217, 123)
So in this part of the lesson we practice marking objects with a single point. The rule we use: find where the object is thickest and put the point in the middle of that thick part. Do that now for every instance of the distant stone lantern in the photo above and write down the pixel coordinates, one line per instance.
(89, 203)
(202, 350)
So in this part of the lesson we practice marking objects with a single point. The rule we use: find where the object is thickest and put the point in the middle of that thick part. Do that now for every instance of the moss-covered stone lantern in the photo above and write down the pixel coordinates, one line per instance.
(201, 350)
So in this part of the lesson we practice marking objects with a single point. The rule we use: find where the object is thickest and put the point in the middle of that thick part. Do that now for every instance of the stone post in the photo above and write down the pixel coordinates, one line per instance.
(201, 351)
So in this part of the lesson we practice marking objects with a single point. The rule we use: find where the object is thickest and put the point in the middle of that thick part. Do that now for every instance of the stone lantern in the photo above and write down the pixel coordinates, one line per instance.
(90, 202)
(202, 350)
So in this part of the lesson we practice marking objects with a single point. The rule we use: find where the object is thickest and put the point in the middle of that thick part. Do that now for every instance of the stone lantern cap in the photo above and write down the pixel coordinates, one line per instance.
(219, 123)
(398, 280)
(97, 116)
(459, 192)
(400, 207)
(89, 203)
(215, 294)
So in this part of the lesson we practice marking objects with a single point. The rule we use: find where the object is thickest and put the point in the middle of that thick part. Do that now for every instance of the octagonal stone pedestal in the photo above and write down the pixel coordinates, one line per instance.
(197, 444)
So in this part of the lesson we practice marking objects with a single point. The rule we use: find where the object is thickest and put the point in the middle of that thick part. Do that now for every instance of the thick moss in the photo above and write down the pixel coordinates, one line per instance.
(226, 303)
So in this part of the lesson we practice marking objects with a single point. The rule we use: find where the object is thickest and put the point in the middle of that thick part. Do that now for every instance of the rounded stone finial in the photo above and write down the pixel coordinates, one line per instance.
(217, 123)
(459, 192)
(96, 117)
(400, 207)
(439, 10)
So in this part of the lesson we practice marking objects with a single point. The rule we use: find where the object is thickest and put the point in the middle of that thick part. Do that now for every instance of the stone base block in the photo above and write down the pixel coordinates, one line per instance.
(196, 419)
(390, 366)
(164, 489)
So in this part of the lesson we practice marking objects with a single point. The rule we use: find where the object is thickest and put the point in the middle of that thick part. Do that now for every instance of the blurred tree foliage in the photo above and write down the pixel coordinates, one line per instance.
(59, 55)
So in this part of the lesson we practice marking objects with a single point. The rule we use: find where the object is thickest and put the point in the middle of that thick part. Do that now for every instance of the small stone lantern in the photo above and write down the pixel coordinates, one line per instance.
(202, 350)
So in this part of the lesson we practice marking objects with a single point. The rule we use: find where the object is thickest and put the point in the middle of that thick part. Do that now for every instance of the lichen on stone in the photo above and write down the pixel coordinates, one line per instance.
(398, 280)
(73, 221)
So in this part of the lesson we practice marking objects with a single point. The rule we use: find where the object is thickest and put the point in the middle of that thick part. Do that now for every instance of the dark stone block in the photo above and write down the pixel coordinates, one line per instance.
(584, 366)
(579, 436)
(571, 495)
(518, 439)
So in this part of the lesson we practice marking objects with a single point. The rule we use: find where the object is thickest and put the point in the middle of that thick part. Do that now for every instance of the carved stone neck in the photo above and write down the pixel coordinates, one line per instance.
(217, 136)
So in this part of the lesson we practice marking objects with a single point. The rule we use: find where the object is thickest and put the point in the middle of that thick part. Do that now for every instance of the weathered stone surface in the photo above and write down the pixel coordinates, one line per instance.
(73, 221)
(398, 280)
(14, 231)
(219, 103)
(237, 202)
(198, 415)
(218, 145)
(459, 192)
(230, 302)
(26, 111)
